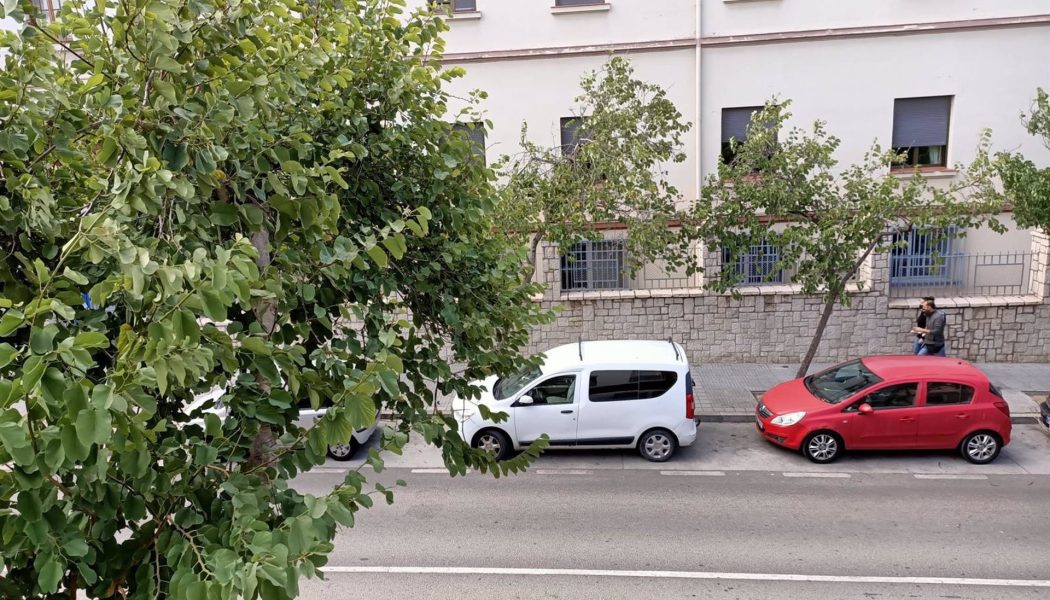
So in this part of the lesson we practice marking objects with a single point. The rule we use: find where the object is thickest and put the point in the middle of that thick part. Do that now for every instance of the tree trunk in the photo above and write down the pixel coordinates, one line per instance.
(534, 246)
(818, 334)
(261, 452)
(833, 296)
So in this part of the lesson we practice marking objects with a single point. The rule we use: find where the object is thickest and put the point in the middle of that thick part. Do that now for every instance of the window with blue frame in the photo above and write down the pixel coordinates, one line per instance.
(757, 265)
(923, 257)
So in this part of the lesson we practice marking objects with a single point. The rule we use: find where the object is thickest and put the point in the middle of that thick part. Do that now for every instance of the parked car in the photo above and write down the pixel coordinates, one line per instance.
(606, 394)
(307, 417)
(1044, 415)
(888, 402)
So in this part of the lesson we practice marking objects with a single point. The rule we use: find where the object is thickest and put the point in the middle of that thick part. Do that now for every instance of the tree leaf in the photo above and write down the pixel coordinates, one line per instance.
(11, 321)
(378, 256)
(214, 308)
(41, 339)
(7, 354)
(50, 574)
(91, 339)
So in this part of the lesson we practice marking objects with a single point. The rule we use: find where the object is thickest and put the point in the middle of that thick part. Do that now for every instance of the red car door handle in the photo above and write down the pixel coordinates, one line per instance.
(962, 416)
(907, 419)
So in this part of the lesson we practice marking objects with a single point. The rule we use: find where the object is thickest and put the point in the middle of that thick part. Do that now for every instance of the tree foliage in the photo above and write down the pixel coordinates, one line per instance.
(1026, 185)
(613, 171)
(255, 195)
(786, 189)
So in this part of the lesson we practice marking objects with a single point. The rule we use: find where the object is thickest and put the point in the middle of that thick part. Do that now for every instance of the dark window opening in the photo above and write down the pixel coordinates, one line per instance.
(615, 386)
(939, 394)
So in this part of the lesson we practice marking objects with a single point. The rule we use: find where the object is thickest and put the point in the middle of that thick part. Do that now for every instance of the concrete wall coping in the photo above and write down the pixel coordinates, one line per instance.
(971, 302)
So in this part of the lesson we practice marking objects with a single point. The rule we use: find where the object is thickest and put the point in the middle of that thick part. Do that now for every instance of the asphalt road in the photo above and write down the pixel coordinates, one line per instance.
(600, 525)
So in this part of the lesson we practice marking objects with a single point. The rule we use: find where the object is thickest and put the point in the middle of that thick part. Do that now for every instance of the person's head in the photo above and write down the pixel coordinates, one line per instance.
(928, 306)
(925, 299)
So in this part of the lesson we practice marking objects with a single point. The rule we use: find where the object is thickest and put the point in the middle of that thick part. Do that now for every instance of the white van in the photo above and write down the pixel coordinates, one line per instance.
(608, 394)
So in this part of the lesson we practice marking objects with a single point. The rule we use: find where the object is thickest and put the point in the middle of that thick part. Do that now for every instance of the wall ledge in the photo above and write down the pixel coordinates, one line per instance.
(971, 302)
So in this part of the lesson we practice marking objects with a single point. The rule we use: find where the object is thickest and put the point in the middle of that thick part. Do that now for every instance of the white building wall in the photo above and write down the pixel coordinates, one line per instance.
(542, 91)
(851, 84)
(521, 24)
(748, 17)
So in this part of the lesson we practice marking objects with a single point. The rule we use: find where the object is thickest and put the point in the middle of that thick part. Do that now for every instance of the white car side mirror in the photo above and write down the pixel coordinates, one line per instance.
(525, 400)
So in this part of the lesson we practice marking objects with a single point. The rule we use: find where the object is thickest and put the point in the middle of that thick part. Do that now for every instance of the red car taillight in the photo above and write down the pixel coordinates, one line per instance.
(1003, 407)
(689, 405)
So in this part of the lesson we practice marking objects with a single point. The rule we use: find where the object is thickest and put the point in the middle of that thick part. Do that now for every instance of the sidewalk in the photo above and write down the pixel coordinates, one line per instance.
(726, 392)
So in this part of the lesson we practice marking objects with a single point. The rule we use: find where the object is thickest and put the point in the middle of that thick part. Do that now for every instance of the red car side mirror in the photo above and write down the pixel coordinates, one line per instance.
(865, 409)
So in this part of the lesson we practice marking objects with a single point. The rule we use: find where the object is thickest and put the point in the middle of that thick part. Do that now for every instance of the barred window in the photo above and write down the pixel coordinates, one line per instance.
(923, 256)
(757, 265)
(594, 265)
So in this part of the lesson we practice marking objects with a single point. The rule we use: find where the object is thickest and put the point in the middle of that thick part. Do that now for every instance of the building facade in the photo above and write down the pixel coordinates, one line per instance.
(927, 77)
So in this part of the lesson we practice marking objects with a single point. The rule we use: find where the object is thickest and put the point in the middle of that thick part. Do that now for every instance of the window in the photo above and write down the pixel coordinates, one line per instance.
(573, 133)
(597, 265)
(455, 6)
(920, 130)
(892, 396)
(614, 386)
(939, 394)
(925, 257)
(757, 265)
(556, 390)
(577, 2)
(505, 387)
(734, 127)
(48, 9)
(840, 382)
(475, 133)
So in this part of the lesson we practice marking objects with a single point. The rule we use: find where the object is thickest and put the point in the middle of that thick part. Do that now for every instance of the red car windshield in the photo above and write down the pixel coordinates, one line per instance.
(840, 382)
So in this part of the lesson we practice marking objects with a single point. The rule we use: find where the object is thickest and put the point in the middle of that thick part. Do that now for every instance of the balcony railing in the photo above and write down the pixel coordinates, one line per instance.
(960, 274)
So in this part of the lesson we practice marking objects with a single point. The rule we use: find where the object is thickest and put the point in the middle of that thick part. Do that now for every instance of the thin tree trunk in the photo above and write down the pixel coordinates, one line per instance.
(829, 306)
(818, 334)
(263, 444)
(534, 246)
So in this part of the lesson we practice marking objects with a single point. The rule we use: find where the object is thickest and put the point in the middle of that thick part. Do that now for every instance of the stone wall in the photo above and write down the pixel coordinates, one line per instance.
(772, 325)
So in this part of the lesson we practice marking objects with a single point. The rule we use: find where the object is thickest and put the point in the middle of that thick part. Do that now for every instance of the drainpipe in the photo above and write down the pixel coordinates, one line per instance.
(698, 129)
(697, 88)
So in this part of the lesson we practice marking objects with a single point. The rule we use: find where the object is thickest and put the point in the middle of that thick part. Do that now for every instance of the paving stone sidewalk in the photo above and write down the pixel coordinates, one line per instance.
(726, 392)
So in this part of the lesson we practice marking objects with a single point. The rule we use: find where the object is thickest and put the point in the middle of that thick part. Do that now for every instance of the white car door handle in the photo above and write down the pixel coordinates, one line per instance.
(566, 412)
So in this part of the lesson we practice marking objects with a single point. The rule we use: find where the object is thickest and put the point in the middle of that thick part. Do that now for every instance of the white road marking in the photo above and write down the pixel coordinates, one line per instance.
(947, 476)
(967, 581)
(431, 471)
(564, 472)
(820, 475)
(694, 473)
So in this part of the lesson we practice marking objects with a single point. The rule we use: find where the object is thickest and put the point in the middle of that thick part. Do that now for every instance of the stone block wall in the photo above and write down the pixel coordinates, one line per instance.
(776, 325)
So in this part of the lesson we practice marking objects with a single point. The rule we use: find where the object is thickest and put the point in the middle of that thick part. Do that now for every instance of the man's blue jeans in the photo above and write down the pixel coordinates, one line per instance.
(924, 351)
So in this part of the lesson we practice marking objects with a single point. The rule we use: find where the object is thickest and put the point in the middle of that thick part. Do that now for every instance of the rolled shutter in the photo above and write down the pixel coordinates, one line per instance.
(921, 122)
(735, 122)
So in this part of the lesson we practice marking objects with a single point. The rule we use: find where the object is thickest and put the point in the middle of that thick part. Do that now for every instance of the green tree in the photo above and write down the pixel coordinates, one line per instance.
(786, 189)
(1026, 185)
(256, 195)
(624, 135)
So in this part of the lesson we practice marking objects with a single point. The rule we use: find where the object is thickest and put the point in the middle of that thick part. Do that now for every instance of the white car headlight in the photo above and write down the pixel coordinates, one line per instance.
(788, 418)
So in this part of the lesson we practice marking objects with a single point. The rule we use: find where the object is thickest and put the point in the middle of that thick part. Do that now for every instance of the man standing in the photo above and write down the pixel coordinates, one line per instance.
(933, 333)
(920, 323)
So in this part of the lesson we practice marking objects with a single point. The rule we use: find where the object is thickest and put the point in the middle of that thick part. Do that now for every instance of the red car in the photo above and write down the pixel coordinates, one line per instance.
(888, 402)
